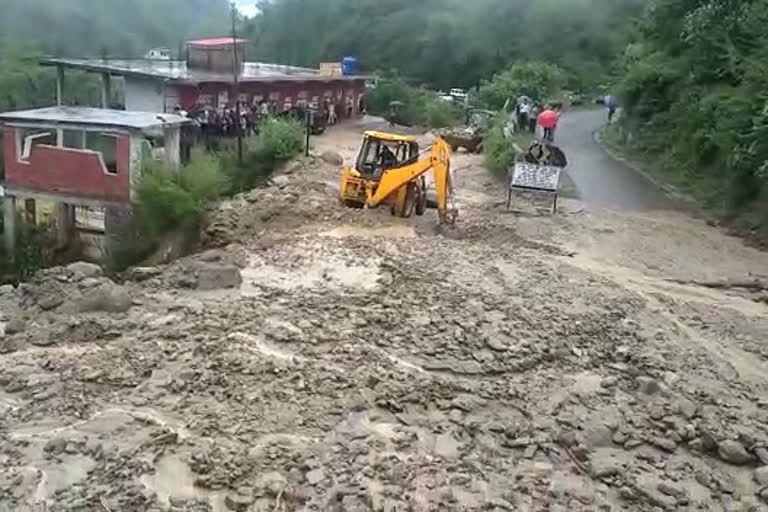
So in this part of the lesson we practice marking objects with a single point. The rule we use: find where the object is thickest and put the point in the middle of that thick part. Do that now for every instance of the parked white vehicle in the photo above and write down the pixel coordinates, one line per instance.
(458, 94)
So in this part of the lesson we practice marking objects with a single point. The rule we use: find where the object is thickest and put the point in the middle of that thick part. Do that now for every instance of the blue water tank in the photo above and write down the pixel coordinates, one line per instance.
(349, 66)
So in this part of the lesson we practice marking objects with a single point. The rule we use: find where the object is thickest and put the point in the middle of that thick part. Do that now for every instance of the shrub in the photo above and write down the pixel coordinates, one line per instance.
(278, 141)
(539, 80)
(419, 106)
(439, 113)
(168, 200)
(499, 152)
(281, 139)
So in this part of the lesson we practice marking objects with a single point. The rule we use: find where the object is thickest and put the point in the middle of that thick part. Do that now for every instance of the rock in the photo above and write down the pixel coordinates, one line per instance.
(609, 382)
(733, 452)
(598, 436)
(332, 157)
(55, 446)
(620, 437)
(140, 274)
(51, 300)
(6, 289)
(495, 344)
(107, 298)
(671, 491)
(667, 445)
(15, 325)
(218, 277)
(647, 385)
(315, 476)
(761, 476)
(271, 483)
(93, 448)
(81, 269)
(764, 495)
(686, 408)
(446, 446)
(281, 181)
(238, 502)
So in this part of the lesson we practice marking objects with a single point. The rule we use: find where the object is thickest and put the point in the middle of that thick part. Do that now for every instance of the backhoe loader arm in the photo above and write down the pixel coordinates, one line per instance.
(394, 179)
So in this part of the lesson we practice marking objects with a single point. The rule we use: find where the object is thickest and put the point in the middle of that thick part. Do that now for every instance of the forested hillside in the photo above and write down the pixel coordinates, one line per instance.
(448, 43)
(80, 28)
(122, 28)
(695, 87)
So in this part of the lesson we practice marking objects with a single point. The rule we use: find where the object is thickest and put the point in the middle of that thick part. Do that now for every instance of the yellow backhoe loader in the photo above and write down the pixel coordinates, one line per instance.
(390, 171)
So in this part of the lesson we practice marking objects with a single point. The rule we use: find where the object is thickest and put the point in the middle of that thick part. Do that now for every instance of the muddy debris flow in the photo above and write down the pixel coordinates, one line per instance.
(313, 358)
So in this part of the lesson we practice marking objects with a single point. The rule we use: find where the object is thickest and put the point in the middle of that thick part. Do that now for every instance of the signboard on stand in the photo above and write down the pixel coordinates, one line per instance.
(534, 177)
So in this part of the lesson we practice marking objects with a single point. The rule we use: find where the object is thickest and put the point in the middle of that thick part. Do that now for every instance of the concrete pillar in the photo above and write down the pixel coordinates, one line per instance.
(106, 89)
(65, 224)
(30, 212)
(59, 85)
(9, 224)
(172, 137)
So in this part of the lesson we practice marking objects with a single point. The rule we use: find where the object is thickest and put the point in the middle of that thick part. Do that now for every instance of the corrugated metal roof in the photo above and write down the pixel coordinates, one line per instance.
(176, 70)
(216, 41)
(94, 116)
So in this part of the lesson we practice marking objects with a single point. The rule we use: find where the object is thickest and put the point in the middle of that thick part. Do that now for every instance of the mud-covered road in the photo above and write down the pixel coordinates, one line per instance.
(321, 359)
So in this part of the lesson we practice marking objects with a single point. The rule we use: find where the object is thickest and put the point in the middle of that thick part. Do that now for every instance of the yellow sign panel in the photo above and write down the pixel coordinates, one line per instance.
(330, 68)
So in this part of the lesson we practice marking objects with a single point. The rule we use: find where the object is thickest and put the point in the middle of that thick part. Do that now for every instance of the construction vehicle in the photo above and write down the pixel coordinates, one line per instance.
(390, 170)
(471, 138)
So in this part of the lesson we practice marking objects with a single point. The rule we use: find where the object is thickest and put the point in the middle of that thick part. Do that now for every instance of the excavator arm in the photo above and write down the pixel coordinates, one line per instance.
(396, 181)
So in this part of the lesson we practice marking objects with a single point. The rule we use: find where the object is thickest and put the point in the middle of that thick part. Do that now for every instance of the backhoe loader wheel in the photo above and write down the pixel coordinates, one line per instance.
(411, 198)
(421, 201)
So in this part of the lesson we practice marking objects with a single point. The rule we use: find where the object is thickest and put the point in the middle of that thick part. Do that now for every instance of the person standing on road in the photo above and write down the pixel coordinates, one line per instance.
(548, 121)
(610, 103)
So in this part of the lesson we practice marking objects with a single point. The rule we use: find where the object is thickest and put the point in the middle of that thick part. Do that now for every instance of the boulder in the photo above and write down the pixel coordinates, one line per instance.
(81, 269)
(15, 325)
(332, 157)
(733, 452)
(108, 297)
(761, 476)
(218, 277)
(281, 181)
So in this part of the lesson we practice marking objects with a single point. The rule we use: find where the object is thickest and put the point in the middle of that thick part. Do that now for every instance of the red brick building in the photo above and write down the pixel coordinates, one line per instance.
(207, 77)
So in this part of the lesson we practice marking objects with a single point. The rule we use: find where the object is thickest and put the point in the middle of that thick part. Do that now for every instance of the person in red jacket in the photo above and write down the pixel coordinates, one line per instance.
(548, 119)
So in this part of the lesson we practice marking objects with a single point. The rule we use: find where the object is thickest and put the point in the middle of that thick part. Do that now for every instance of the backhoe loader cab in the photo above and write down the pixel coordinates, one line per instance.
(381, 151)
(388, 171)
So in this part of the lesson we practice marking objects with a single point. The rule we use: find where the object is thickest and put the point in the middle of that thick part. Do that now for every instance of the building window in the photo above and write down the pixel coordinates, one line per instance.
(31, 137)
(106, 144)
(73, 139)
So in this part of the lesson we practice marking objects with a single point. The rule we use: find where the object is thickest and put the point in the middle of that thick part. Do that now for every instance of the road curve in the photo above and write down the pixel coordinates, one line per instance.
(601, 180)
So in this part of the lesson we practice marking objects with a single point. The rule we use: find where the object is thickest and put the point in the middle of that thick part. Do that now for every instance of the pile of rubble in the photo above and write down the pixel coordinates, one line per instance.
(340, 361)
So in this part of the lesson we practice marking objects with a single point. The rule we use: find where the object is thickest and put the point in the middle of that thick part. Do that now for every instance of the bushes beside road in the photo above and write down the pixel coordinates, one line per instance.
(419, 106)
(169, 201)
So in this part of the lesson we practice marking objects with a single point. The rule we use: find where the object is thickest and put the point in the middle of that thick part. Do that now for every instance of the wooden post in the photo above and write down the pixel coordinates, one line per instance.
(65, 224)
(9, 224)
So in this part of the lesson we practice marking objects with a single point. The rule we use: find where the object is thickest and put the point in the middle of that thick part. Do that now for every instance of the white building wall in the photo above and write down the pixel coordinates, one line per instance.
(144, 95)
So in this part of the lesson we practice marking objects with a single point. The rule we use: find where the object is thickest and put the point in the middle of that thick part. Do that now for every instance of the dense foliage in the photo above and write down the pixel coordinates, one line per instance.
(447, 43)
(418, 106)
(539, 80)
(120, 28)
(695, 92)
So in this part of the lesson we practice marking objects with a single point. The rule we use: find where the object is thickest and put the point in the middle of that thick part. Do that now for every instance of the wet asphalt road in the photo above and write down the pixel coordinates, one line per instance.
(602, 181)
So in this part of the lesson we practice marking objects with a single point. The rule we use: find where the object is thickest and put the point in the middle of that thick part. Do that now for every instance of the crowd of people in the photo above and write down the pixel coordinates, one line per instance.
(531, 116)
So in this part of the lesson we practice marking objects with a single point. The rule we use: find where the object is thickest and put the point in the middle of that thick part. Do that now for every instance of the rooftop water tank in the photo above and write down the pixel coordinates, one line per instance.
(349, 66)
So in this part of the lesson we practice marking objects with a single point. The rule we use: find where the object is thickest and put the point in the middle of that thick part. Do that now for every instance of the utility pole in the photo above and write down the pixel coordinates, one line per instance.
(236, 73)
